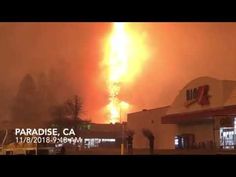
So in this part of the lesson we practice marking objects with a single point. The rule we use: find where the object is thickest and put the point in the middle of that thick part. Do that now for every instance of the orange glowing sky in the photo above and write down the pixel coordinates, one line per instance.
(178, 53)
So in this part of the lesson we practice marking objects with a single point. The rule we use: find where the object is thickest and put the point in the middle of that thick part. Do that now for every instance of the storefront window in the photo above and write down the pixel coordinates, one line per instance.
(228, 137)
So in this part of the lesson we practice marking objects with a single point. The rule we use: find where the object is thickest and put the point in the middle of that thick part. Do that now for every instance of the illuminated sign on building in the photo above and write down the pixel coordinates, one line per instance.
(198, 95)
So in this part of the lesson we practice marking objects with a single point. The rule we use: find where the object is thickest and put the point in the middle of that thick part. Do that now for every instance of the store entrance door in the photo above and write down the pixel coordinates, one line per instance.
(184, 141)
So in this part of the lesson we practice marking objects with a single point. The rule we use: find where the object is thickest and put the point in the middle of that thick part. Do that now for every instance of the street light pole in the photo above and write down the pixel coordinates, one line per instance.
(122, 134)
(125, 106)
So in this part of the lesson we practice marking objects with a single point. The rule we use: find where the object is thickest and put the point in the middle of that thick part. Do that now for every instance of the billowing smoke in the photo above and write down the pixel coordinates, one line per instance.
(70, 54)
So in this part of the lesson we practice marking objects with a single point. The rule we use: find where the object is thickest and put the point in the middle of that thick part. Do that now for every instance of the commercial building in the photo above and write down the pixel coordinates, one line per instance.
(202, 116)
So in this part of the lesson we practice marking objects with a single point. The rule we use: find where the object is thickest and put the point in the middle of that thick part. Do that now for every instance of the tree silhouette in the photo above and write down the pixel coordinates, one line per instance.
(25, 106)
(149, 135)
(67, 114)
(73, 107)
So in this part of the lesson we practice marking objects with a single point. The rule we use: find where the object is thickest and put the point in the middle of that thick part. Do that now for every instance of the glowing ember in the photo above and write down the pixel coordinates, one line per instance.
(125, 49)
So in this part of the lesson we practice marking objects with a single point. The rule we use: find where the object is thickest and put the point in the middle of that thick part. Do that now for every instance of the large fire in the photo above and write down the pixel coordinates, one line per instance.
(125, 55)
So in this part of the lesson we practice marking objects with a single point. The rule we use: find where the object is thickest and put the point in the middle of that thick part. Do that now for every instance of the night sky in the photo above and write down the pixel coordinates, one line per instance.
(179, 53)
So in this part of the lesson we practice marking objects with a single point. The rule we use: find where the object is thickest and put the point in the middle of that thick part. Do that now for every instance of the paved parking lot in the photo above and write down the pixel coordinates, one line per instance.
(116, 151)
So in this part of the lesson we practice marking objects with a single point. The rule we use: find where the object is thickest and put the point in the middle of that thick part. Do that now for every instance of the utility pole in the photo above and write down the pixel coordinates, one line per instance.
(125, 106)
(122, 134)
(122, 145)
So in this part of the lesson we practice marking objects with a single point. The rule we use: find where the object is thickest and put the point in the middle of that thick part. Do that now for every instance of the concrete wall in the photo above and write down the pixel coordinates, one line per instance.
(229, 93)
(203, 131)
(151, 119)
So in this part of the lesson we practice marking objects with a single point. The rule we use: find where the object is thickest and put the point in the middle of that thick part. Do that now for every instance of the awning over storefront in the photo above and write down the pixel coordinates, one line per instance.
(195, 116)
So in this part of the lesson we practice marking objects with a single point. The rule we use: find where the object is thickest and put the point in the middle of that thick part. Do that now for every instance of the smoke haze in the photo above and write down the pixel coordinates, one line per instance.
(73, 52)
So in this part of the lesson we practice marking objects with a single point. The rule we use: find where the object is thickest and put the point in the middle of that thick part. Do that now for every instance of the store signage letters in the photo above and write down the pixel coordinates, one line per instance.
(198, 95)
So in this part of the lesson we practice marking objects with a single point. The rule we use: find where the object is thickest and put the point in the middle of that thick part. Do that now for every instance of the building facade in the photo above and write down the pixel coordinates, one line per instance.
(201, 116)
